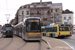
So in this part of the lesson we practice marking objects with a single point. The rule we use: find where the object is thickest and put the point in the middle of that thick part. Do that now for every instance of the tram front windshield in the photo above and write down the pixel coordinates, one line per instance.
(33, 27)
(8, 28)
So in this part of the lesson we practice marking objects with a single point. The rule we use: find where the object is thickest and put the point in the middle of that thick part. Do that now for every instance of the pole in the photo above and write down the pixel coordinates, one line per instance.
(7, 17)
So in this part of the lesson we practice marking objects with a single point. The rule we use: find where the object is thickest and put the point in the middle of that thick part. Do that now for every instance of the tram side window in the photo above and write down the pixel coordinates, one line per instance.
(54, 29)
(67, 28)
(47, 29)
(50, 29)
(20, 29)
(64, 29)
(43, 30)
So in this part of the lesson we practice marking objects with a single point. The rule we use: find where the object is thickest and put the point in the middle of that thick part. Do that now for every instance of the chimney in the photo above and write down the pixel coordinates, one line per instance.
(40, 1)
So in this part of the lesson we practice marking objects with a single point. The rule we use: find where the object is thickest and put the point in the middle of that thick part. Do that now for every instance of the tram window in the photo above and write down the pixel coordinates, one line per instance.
(64, 28)
(54, 29)
(43, 30)
(33, 26)
(50, 30)
(67, 28)
(47, 29)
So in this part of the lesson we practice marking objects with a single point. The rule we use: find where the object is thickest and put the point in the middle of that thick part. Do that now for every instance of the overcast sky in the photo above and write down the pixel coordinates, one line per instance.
(11, 6)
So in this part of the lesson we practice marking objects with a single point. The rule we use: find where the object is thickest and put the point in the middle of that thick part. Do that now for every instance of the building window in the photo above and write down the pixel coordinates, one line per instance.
(48, 12)
(48, 16)
(41, 11)
(31, 11)
(57, 10)
(51, 10)
(45, 19)
(34, 11)
(45, 16)
(51, 16)
(24, 6)
(28, 6)
(27, 12)
(34, 6)
(22, 12)
(37, 15)
(45, 11)
(57, 16)
(69, 17)
(44, 7)
(37, 11)
(64, 18)
(41, 16)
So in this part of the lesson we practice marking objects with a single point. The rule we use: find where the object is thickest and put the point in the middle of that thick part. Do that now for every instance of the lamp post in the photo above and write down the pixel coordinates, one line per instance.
(7, 17)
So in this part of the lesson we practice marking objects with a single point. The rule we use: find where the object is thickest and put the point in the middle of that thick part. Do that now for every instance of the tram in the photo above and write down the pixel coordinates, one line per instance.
(7, 30)
(29, 29)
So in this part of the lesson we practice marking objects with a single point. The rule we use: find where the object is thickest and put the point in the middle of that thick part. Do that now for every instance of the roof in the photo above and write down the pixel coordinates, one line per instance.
(66, 11)
(27, 5)
(42, 2)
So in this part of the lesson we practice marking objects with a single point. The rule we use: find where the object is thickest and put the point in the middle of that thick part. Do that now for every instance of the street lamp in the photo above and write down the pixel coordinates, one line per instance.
(7, 17)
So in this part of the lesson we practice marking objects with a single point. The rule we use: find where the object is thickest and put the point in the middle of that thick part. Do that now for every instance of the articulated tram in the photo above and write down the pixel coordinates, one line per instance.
(29, 29)
(7, 30)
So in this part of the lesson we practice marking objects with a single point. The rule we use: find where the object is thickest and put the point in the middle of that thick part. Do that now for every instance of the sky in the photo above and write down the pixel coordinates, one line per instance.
(11, 7)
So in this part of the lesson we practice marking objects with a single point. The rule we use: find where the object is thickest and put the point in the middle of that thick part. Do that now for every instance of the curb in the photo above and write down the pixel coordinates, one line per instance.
(47, 43)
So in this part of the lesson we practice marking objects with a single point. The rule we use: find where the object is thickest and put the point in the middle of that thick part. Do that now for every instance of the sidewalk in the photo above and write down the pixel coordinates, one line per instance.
(57, 44)
(0, 35)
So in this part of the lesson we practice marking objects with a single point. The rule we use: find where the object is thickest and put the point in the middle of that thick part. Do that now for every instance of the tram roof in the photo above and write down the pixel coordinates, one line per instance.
(32, 18)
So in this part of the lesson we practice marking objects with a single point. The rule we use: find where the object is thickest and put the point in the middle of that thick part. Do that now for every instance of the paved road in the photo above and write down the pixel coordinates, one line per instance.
(70, 40)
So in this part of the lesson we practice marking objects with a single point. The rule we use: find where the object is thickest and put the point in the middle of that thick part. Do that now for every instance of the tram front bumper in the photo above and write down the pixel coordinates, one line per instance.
(33, 38)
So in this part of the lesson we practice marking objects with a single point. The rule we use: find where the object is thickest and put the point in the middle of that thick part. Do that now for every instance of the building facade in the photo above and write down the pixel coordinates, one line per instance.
(49, 12)
(67, 17)
(41, 10)
(24, 12)
(56, 13)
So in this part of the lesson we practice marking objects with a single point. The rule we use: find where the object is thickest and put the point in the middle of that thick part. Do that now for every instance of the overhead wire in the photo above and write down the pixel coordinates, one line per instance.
(7, 15)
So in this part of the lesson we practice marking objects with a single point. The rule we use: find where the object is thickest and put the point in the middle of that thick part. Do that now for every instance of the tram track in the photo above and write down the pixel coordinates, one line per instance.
(22, 46)
(31, 46)
(2, 39)
(39, 45)
(7, 44)
(35, 45)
